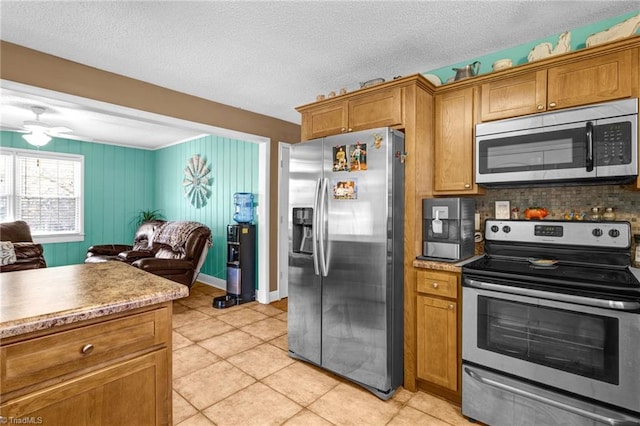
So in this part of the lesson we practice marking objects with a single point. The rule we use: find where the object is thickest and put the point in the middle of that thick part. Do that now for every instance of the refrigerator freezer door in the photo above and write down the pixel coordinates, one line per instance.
(356, 291)
(305, 283)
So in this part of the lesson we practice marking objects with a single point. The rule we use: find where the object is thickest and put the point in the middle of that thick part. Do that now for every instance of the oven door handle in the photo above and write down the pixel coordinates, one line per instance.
(539, 398)
(618, 305)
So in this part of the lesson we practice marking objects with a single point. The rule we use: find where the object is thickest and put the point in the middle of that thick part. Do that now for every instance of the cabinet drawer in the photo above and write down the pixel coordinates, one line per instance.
(39, 359)
(438, 283)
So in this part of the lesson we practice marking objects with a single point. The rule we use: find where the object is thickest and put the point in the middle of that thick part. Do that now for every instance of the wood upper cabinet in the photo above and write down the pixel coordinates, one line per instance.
(520, 95)
(453, 143)
(375, 109)
(582, 82)
(438, 335)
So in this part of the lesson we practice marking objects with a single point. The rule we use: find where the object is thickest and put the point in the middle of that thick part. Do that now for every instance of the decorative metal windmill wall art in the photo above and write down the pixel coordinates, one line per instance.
(196, 183)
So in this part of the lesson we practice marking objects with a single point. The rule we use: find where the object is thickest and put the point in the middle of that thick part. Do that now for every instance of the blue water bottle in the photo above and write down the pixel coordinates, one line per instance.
(244, 207)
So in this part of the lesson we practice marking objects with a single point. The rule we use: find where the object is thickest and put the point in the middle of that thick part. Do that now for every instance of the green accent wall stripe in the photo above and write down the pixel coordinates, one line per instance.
(518, 54)
(234, 168)
(118, 182)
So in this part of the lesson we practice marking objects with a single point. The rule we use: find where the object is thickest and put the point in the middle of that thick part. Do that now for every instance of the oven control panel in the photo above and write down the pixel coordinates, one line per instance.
(596, 234)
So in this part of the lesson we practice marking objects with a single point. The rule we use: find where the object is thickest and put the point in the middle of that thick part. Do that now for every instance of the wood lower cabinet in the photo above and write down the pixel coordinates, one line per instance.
(453, 143)
(129, 392)
(438, 333)
(581, 82)
(113, 372)
(376, 109)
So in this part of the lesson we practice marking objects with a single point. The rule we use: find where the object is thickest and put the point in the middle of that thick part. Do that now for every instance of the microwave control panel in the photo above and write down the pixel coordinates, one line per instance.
(613, 144)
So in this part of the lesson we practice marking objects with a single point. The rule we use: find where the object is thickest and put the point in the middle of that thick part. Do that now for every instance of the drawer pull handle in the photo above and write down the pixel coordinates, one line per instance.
(87, 349)
(435, 285)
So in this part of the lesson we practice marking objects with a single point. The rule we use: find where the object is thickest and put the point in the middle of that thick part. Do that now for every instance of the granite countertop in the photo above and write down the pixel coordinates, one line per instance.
(38, 299)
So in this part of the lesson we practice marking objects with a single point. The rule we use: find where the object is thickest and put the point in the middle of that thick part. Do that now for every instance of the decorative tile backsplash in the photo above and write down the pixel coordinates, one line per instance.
(567, 199)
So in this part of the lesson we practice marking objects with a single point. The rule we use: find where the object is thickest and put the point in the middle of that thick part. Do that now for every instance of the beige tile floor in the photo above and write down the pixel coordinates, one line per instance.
(231, 367)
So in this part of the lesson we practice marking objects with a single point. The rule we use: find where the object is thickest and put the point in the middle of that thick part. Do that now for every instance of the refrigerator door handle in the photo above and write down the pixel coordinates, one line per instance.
(322, 228)
(315, 224)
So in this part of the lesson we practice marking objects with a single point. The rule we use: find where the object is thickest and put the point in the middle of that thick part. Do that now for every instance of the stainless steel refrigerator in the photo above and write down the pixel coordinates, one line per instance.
(346, 213)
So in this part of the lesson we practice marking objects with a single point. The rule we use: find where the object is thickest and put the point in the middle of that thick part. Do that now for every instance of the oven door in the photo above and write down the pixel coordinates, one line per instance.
(585, 350)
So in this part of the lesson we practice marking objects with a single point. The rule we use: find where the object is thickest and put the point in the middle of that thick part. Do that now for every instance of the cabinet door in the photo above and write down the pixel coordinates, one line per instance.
(589, 81)
(379, 109)
(511, 97)
(437, 341)
(453, 153)
(135, 392)
(331, 119)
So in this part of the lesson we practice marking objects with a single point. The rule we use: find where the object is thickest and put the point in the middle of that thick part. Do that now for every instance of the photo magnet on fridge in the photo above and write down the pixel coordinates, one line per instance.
(345, 189)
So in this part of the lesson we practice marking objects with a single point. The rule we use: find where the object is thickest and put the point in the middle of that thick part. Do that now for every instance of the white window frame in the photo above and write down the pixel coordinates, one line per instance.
(52, 237)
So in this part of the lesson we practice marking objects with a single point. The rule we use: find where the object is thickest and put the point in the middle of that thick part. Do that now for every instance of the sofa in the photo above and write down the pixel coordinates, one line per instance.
(19, 252)
(174, 250)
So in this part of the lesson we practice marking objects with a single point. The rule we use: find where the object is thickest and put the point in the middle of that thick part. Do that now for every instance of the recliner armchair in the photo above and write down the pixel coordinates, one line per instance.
(142, 246)
(174, 250)
(28, 255)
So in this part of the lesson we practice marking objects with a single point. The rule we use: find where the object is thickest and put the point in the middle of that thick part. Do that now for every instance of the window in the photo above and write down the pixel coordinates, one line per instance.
(45, 190)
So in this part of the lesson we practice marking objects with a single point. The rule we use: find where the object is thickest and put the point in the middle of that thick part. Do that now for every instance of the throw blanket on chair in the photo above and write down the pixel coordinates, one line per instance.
(175, 234)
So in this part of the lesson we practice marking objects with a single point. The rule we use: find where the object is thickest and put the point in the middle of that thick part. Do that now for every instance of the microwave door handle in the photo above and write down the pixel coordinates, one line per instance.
(589, 146)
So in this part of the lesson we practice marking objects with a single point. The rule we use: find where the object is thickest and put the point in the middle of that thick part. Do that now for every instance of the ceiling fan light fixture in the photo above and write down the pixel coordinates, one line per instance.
(37, 138)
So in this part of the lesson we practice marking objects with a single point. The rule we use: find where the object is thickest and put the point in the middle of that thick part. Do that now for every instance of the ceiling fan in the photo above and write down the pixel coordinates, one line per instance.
(39, 133)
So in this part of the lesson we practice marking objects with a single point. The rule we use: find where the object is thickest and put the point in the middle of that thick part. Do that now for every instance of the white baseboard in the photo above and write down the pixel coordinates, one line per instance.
(222, 285)
(212, 281)
(274, 296)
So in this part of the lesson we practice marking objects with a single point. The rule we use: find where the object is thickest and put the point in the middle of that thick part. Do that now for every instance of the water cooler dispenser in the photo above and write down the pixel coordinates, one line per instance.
(241, 256)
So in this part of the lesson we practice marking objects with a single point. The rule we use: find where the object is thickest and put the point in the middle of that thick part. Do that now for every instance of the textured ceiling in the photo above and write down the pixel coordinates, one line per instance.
(271, 56)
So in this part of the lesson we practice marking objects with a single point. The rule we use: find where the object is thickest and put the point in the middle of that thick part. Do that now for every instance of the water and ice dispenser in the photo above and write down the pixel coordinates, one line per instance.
(302, 230)
(241, 255)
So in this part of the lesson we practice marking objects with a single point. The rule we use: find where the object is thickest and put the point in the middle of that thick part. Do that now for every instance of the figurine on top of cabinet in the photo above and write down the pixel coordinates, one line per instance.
(544, 50)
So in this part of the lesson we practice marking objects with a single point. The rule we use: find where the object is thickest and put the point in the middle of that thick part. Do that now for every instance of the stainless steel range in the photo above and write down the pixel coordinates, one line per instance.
(551, 325)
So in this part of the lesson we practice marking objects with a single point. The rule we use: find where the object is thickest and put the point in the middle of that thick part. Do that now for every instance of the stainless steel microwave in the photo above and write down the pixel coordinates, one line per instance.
(591, 144)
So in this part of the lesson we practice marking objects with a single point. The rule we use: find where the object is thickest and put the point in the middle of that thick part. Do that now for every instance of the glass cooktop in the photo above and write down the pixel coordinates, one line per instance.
(556, 274)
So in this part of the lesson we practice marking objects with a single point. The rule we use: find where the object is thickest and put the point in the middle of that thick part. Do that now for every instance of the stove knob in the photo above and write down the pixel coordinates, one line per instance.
(506, 229)
(495, 228)
(597, 232)
(613, 233)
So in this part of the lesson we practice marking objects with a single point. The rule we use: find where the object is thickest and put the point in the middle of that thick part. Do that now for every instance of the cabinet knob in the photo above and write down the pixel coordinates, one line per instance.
(451, 307)
(343, 130)
(466, 185)
(350, 129)
(552, 104)
(87, 349)
(540, 107)
(435, 285)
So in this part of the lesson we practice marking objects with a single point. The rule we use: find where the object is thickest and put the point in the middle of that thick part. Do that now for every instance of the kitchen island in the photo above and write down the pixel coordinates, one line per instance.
(86, 344)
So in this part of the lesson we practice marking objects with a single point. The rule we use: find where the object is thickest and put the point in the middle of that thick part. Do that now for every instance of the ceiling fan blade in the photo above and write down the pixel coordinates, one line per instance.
(12, 129)
(36, 126)
(59, 129)
(72, 136)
